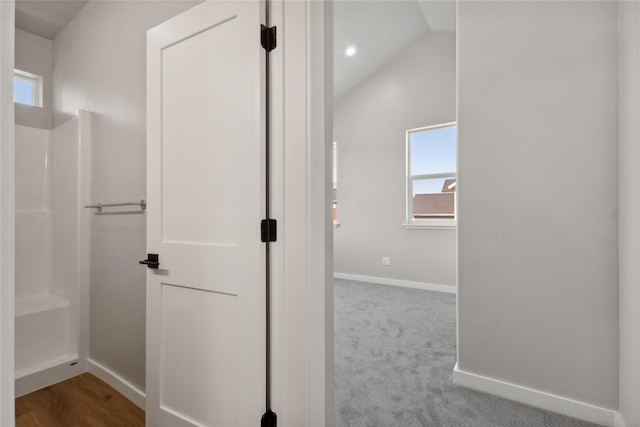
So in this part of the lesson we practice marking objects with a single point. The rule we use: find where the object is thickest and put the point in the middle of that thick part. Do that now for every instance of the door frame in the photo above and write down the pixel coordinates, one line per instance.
(302, 112)
(302, 262)
(7, 214)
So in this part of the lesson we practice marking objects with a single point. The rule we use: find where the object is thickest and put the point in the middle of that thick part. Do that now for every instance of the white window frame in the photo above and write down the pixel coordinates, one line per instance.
(430, 223)
(36, 81)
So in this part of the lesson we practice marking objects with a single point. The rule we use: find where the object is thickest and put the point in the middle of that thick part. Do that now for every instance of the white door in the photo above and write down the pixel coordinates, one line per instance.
(205, 302)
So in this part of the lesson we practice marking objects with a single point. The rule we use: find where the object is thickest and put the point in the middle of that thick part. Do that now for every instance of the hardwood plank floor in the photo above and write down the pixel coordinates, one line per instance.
(82, 401)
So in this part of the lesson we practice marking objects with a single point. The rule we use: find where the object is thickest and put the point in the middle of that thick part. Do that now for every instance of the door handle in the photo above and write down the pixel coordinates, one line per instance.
(151, 261)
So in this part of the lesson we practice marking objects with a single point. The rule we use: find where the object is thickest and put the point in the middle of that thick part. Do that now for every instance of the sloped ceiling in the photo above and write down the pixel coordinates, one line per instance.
(379, 30)
(46, 18)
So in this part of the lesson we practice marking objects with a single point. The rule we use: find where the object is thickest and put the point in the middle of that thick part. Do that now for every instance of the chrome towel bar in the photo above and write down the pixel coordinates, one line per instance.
(142, 204)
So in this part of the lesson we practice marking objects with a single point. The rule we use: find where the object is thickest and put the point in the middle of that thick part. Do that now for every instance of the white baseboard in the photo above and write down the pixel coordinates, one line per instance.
(130, 391)
(395, 282)
(537, 398)
(619, 422)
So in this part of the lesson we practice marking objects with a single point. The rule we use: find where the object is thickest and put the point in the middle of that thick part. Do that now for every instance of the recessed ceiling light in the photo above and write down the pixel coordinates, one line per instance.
(351, 50)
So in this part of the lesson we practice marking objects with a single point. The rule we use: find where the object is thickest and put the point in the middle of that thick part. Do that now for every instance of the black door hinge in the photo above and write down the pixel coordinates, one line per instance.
(269, 230)
(268, 37)
(269, 419)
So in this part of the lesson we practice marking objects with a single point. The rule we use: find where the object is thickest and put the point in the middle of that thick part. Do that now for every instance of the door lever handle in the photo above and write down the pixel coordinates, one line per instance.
(151, 261)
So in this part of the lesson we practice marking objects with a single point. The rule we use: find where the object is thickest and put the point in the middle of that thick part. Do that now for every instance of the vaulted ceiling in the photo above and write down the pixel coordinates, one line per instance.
(379, 30)
(46, 18)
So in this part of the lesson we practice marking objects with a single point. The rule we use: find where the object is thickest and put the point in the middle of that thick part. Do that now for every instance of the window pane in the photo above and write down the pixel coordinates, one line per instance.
(335, 182)
(335, 165)
(433, 151)
(434, 198)
(23, 91)
(434, 185)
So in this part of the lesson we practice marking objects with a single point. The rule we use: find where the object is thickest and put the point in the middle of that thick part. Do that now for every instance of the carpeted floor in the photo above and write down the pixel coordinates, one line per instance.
(395, 350)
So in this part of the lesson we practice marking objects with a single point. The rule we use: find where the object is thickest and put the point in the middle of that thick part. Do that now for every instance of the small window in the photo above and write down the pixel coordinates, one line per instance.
(335, 183)
(27, 88)
(431, 176)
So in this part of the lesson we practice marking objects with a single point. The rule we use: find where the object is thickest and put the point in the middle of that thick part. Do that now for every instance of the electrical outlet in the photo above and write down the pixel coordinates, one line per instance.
(386, 260)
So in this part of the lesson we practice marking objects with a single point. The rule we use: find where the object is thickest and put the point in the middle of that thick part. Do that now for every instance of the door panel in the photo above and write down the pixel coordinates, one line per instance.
(205, 304)
(194, 134)
(196, 385)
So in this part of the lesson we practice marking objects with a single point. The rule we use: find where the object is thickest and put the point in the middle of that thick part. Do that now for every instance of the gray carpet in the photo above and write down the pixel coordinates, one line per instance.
(395, 351)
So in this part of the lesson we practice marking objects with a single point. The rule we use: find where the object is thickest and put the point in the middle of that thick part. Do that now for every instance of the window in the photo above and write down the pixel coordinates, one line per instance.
(335, 184)
(27, 88)
(431, 176)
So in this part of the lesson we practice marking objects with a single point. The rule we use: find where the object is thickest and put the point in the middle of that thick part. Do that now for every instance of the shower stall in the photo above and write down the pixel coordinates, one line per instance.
(52, 179)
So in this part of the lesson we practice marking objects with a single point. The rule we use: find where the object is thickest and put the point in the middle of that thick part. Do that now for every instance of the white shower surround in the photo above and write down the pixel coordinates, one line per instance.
(52, 259)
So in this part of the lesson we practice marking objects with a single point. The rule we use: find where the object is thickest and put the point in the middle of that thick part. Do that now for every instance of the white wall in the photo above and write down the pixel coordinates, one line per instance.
(414, 89)
(538, 196)
(34, 54)
(629, 228)
(100, 65)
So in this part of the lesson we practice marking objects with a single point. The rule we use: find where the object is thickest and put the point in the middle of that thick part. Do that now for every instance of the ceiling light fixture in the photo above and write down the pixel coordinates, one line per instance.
(351, 50)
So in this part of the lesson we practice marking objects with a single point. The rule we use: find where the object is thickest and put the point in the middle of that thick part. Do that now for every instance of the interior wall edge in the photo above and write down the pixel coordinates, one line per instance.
(619, 421)
(7, 214)
(629, 212)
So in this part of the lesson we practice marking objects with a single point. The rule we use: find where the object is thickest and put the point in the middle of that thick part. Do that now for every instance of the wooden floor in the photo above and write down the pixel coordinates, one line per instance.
(82, 401)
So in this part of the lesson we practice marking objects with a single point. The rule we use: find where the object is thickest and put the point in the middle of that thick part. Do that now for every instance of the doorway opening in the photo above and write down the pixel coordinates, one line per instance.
(394, 188)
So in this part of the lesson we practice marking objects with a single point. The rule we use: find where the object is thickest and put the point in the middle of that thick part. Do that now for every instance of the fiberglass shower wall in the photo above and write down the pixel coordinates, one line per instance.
(52, 170)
